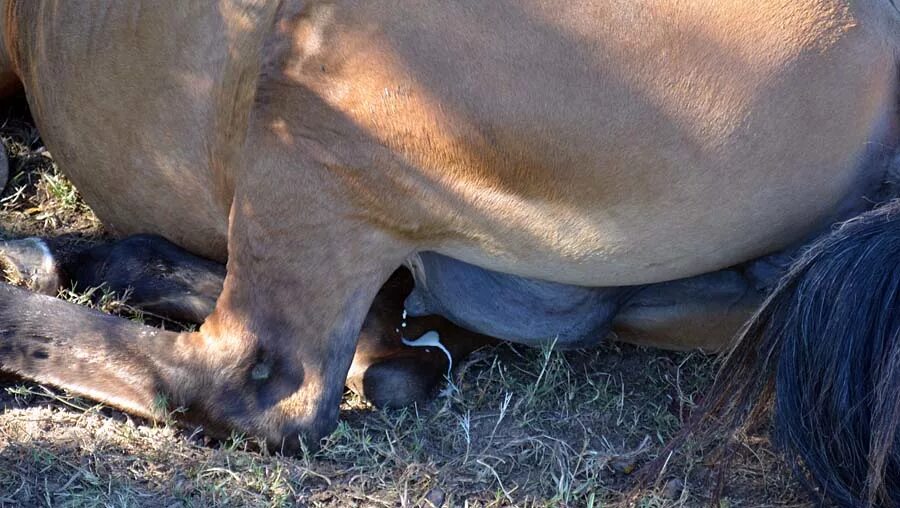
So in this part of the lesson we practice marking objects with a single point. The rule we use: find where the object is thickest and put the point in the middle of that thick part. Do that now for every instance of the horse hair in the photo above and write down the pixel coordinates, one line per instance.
(825, 346)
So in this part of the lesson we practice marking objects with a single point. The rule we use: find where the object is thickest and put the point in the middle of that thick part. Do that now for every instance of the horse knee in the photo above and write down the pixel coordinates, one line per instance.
(259, 393)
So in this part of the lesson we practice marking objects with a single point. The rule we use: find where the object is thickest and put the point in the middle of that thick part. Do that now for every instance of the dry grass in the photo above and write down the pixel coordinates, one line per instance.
(517, 426)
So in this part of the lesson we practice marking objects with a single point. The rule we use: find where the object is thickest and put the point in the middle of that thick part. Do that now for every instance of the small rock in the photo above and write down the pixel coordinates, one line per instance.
(673, 489)
(624, 465)
(435, 497)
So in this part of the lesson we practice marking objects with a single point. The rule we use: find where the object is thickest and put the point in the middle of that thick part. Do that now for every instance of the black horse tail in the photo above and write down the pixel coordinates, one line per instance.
(825, 347)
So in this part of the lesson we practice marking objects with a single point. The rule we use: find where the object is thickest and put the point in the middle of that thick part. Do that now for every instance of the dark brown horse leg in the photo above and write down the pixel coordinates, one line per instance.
(265, 363)
(242, 371)
(140, 369)
(133, 367)
(225, 383)
(158, 276)
(166, 280)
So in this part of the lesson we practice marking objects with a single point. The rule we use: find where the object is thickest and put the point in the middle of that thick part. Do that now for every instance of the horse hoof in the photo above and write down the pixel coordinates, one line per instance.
(398, 382)
(29, 262)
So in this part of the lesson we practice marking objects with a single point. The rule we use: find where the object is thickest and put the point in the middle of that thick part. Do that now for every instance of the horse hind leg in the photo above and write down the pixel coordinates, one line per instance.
(157, 276)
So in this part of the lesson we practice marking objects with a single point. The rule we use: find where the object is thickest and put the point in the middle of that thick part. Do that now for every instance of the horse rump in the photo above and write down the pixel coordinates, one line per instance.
(825, 347)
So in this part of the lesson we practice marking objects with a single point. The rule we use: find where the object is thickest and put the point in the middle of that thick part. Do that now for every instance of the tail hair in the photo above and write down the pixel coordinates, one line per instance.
(824, 349)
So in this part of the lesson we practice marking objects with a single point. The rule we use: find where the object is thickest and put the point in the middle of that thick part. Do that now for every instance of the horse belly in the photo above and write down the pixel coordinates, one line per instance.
(589, 143)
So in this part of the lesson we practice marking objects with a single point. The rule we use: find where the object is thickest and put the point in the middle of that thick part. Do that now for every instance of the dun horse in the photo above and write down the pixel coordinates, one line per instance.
(545, 169)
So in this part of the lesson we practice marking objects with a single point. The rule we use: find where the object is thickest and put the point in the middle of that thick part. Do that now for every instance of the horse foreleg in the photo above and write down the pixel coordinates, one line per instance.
(162, 278)
(127, 365)
(252, 375)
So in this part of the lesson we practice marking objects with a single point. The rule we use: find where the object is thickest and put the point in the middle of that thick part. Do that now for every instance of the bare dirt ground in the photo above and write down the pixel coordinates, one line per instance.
(517, 426)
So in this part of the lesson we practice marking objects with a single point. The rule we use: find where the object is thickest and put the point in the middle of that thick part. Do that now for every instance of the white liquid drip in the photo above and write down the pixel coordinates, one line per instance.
(430, 339)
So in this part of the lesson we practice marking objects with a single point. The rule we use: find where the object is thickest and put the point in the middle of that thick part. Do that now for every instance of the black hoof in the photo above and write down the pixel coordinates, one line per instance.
(29, 262)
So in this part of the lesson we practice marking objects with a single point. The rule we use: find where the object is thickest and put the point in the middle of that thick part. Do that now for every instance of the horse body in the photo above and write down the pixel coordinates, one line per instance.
(318, 145)
(608, 157)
